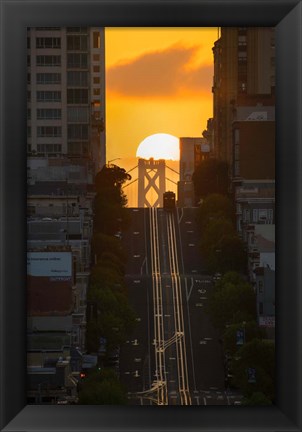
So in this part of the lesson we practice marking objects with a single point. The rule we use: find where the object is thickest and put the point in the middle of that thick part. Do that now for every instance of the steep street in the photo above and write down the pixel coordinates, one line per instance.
(174, 356)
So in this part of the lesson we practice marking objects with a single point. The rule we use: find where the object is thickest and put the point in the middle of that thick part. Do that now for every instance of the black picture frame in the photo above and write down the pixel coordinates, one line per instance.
(15, 17)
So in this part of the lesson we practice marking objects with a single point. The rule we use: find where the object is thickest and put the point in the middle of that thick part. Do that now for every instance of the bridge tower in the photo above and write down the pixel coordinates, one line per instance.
(151, 181)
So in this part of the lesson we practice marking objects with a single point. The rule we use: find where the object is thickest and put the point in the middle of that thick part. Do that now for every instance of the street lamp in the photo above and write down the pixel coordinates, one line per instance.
(112, 160)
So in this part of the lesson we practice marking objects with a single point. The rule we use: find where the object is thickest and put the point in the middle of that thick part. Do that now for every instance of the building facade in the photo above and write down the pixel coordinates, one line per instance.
(66, 93)
(192, 151)
(244, 65)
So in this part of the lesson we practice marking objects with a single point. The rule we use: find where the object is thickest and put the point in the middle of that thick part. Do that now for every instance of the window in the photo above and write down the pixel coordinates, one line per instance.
(96, 40)
(246, 215)
(78, 148)
(49, 131)
(77, 131)
(96, 80)
(28, 96)
(260, 287)
(78, 61)
(262, 215)
(48, 42)
(28, 60)
(48, 60)
(242, 40)
(255, 215)
(236, 136)
(96, 57)
(242, 56)
(96, 68)
(242, 87)
(237, 168)
(270, 216)
(77, 30)
(48, 114)
(48, 78)
(236, 152)
(77, 96)
(78, 114)
(48, 96)
(28, 42)
(49, 148)
(96, 91)
(77, 79)
(260, 308)
(28, 131)
(28, 114)
(48, 28)
(28, 78)
(77, 43)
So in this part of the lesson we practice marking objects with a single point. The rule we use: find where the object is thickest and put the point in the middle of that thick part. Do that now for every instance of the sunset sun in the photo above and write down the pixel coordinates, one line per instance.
(159, 146)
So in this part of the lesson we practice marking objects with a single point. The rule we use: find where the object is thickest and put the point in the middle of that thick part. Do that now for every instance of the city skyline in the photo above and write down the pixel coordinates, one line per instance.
(169, 300)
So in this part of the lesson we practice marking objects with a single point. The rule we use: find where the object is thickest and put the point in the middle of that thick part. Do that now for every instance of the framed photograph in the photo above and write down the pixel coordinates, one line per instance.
(17, 17)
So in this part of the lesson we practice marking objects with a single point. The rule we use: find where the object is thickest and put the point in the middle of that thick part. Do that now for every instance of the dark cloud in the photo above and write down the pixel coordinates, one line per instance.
(159, 74)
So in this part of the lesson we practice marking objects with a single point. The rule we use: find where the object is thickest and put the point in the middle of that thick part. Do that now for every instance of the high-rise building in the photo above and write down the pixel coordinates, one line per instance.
(244, 65)
(66, 93)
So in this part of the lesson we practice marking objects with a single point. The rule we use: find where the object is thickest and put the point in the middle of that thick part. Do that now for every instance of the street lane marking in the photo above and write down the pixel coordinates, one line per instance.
(182, 213)
(135, 232)
(191, 244)
(191, 287)
(143, 263)
(137, 281)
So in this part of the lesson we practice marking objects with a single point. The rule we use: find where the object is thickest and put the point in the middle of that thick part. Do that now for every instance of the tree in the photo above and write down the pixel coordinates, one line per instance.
(110, 200)
(232, 302)
(211, 176)
(213, 207)
(112, 261)
(110, 177)
(251, 331)
(102, 243)
(102, 388)
(257, 399)
(228, 254)
(107, 277)
(215, 229)
(259, 356)
(115, 320)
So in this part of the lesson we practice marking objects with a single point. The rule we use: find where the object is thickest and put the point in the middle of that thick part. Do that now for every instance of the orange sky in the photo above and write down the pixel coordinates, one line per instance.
(158, 80)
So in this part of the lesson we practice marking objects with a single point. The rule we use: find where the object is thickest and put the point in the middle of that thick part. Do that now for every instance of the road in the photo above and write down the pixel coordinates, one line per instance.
(174, 356)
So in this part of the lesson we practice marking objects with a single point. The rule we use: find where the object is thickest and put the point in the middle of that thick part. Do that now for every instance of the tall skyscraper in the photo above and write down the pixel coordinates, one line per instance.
(66, 93)
(244, 66)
